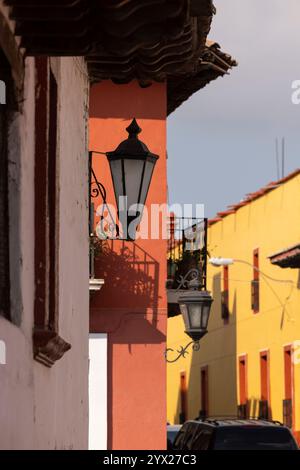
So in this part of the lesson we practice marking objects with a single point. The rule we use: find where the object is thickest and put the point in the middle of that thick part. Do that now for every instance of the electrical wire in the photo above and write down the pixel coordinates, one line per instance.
(266, 278)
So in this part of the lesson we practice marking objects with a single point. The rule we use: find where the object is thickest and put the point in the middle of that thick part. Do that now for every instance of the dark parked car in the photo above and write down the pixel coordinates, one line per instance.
(234, 434)
(172, 431)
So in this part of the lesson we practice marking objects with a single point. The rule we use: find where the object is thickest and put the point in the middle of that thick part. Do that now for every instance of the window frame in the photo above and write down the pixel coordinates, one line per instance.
(265, 392)
(48, 346)
(4, 209)
(289, 384)
(243, 358)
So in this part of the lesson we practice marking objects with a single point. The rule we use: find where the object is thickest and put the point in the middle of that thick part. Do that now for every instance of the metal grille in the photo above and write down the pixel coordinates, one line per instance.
(288, 413)
(187, 250)
(255, 295)
(263, 409)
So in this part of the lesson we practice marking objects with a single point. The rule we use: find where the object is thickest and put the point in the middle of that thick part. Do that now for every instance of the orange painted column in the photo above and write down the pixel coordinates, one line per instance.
(132, 306)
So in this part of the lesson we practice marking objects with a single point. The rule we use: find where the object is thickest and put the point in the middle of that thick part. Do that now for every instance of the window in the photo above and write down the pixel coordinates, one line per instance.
(243, 379)
(52, 204)
(48, 345)
(288, 388)
(264, 376)
(183, 398)
(264, 385)
(255, 282)
(6, 105)
(242, 408)
(204, 392)
(225, 296)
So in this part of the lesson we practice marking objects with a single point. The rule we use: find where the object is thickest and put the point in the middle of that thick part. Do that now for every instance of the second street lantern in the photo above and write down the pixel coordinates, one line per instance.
(195, 309)
(131, 166)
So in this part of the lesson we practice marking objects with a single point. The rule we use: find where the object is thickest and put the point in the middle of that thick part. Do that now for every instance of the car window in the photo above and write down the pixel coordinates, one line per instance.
(202, 438)
(254, 438)
(184, 437)
(179, 439)
(190, 436)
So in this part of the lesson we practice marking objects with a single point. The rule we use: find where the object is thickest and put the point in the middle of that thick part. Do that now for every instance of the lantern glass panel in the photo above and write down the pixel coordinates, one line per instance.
(117, 176)
(184, 313)
(205, 315)
(133, 172)
(149, 167)
(195, 311)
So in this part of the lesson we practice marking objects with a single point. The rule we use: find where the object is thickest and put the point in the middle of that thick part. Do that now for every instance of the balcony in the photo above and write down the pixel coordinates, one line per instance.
(187, 258)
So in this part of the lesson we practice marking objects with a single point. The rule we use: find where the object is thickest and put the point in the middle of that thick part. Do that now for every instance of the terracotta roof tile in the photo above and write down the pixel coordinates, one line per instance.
(224, 213)
(213, 64)
(214, 220)
(147, 40)
(287, 258)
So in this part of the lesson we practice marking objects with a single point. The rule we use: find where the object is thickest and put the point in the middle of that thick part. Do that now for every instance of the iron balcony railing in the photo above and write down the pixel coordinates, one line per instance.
(187, 252)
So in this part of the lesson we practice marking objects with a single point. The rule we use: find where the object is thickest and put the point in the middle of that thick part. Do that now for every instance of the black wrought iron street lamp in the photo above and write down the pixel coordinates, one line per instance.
(195, 308)
(131, 166)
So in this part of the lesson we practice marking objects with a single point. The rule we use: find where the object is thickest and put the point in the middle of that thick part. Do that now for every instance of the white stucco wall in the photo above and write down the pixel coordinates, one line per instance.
(98, 391)
(40, 407)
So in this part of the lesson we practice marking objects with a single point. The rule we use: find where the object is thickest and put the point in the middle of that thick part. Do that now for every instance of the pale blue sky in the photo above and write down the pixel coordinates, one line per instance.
(221, 142)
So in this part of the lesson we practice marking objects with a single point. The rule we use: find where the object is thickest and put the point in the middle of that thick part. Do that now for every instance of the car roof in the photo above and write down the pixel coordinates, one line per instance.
(220, 422)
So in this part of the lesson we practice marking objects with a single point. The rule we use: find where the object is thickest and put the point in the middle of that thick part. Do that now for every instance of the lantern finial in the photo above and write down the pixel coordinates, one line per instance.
(133, 129)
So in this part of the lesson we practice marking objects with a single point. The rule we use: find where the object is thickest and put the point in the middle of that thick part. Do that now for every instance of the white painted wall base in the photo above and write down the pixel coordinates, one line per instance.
(97, 391)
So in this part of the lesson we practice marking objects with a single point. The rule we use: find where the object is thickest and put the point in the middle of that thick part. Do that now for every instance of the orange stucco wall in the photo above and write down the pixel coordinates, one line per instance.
(132, 305)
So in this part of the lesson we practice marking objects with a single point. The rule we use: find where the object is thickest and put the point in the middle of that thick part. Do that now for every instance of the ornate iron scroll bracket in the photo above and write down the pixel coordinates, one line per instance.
(96, 189)
(182, 352)
(191, 279)
(99, 190)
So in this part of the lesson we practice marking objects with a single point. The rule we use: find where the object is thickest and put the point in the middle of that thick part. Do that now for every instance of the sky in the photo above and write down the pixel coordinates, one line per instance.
(221, 142)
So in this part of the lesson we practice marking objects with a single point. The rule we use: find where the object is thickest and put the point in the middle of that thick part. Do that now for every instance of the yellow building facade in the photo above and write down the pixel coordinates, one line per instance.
(251, 354)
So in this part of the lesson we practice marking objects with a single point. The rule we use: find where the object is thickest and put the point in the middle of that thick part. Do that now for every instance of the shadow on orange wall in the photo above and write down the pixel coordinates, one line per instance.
(131, 279)
(131, 307)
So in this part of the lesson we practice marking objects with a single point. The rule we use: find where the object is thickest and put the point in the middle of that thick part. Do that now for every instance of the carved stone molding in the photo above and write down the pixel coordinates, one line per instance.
(48, 347)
